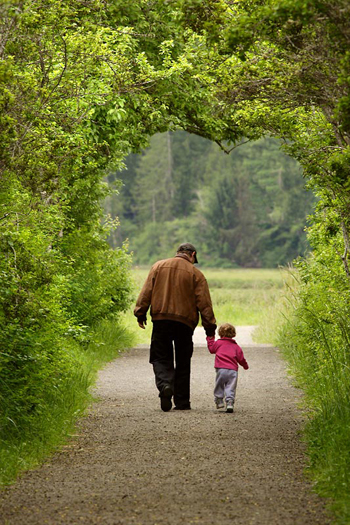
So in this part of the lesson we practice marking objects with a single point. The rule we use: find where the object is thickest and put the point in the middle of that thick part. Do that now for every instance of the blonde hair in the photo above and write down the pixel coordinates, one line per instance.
(227, 330)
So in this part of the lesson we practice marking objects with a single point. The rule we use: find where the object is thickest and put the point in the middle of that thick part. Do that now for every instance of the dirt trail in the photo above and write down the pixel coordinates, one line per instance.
(133, 464)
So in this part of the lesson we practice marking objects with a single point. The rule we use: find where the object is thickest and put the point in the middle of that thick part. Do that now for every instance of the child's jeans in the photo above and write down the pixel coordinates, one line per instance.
(225, 384)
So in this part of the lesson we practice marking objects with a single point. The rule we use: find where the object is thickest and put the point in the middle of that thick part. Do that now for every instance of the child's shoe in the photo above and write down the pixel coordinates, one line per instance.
(219, 403)
(229, 407)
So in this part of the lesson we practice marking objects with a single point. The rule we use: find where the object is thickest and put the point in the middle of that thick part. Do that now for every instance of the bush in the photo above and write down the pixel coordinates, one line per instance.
(55, 287)
(314, 334)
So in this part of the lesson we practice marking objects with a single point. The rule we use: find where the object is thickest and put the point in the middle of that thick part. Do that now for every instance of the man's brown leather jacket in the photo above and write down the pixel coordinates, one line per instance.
(176, 290)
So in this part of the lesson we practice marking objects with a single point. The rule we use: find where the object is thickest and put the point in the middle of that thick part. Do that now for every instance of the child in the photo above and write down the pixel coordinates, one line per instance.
(227, 357)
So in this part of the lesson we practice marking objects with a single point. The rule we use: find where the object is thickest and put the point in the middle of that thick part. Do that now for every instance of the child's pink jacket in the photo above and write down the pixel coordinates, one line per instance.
(227, 353)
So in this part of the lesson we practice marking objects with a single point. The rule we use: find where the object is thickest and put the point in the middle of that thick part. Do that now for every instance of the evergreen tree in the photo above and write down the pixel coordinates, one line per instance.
(252, 202)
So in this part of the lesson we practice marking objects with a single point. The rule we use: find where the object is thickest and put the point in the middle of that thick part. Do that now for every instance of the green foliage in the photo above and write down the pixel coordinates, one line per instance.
(314, 334)
(247, 209)
(58, 277)
(83, 84)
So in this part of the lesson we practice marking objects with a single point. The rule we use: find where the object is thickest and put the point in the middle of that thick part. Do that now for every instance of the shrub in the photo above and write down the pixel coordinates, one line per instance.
(315, 338)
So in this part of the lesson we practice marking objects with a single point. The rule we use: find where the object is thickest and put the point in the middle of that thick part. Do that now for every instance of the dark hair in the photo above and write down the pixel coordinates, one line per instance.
(188, 252)
(227, 330)
(188, 248)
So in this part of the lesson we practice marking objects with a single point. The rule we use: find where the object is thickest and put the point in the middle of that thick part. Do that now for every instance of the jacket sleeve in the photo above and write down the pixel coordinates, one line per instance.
(204, 305)
(211, 345)
(241, 359)
(144, 299)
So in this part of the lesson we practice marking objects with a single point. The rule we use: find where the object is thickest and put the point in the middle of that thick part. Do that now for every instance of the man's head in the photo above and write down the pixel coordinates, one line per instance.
(189, 250)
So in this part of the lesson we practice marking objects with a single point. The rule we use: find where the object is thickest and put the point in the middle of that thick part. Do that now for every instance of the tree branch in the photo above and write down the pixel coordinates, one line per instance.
(228, 151)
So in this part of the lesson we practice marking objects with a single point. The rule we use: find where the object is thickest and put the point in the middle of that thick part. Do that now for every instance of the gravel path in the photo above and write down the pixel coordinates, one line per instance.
(133, 464)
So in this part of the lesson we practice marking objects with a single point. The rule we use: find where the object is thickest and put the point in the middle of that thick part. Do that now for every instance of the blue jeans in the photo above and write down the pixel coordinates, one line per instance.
(226, 384)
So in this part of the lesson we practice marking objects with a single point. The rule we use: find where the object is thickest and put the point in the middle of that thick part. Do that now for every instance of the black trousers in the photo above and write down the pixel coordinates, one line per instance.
(165, 336)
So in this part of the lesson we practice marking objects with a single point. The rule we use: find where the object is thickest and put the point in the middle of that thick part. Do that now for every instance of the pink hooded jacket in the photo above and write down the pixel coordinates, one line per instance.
(227, 353)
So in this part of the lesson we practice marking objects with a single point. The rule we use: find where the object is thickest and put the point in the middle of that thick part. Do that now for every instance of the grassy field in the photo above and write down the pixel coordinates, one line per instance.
(240, 297)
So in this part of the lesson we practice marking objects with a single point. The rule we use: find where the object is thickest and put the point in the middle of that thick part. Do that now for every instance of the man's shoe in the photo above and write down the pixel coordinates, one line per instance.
(165, 398)
(183, 407)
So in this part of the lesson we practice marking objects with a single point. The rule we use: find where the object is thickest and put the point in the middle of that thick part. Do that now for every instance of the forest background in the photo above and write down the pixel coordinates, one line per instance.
(247, 209)
(83, 85)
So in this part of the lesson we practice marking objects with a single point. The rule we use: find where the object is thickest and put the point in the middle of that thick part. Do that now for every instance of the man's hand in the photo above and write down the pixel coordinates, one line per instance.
(142, 324)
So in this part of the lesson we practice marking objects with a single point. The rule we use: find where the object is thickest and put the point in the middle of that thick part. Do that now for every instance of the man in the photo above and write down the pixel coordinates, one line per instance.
(177, 292)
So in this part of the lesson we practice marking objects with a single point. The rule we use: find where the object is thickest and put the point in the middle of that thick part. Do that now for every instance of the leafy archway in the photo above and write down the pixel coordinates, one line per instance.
(85, 83)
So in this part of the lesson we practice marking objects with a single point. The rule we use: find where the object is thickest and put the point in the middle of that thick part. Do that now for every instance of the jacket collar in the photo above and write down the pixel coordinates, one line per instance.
(183, 256)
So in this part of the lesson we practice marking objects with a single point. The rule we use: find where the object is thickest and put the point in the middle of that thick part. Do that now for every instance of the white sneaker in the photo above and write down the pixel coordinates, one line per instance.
(219, 403)
(229, 407)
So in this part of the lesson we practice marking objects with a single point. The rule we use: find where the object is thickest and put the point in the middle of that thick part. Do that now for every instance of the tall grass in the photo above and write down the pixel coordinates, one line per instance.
(55, 422)
(311, 326)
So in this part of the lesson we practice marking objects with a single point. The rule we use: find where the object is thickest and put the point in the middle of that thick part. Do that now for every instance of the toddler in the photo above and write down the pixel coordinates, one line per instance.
(227, 357)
